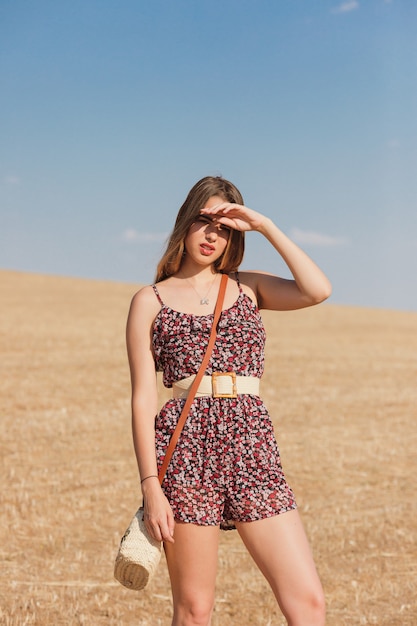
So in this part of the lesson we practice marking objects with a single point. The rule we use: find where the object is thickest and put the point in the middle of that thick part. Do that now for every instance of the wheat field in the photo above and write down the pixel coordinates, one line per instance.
(341, 386)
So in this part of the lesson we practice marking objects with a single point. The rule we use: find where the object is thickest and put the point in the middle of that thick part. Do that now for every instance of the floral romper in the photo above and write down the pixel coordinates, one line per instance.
(226, 466)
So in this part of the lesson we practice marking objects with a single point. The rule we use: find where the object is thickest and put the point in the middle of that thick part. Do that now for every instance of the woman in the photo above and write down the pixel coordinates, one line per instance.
(226, 470)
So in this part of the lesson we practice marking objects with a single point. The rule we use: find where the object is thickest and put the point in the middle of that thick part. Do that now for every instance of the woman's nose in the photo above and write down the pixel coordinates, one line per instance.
(211, 233)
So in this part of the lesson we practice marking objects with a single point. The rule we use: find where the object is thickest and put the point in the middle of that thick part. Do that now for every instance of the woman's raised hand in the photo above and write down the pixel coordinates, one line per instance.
(236, 216)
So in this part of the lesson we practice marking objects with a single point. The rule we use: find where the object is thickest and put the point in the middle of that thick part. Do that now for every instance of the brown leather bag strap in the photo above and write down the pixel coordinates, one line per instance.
(196, 381)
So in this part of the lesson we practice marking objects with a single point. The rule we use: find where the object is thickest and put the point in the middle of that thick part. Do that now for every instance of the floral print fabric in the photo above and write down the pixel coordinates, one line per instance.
(226, 466)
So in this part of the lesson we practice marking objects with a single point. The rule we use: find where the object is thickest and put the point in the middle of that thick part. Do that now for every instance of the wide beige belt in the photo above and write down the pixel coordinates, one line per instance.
(218, 385)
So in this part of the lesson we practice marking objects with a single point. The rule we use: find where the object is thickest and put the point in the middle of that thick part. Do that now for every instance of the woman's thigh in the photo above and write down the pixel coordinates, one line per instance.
(192, 564)
(280, 548)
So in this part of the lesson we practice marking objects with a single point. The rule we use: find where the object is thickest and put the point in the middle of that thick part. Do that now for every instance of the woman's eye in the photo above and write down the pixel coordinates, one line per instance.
(206, 220)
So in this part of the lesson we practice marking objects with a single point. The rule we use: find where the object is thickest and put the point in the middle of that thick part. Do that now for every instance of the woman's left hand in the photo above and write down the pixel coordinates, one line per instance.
(236, 216)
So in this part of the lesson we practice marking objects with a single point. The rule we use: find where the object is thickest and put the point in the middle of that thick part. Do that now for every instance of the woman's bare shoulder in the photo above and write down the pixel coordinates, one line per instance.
(251, 278)
(145, 302)
(249, 283)
(144, 294)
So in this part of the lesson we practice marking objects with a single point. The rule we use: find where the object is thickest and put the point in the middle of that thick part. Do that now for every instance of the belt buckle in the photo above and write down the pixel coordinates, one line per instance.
(215, 383)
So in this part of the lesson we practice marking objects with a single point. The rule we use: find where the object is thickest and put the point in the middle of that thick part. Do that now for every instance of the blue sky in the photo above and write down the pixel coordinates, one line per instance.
(111, 110)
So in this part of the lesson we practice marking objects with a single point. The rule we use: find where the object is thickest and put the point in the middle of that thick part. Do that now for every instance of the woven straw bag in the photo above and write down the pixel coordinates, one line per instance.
(138, 556)
(139, 553)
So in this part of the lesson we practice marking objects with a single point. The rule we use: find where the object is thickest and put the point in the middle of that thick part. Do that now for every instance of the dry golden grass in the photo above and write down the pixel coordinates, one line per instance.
(341, 387)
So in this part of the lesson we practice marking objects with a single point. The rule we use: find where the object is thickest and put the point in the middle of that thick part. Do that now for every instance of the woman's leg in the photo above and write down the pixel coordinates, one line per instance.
(280, 548)
(192, 566)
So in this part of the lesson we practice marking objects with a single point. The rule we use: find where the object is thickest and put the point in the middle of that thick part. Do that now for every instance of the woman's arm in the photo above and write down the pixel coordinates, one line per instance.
(158, 515)
(309, 286)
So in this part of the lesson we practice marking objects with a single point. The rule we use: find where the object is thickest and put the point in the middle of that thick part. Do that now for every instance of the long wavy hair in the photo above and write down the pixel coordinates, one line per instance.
(197, 197)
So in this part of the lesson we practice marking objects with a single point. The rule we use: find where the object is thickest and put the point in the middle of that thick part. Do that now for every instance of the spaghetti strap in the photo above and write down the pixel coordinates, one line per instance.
(157, 295)
(238, 282)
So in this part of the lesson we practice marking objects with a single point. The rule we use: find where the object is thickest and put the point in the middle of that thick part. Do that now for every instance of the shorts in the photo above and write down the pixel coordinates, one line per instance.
(226, 466)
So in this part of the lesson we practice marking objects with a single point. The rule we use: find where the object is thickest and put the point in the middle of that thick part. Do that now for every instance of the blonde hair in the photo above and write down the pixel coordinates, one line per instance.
(197, 197)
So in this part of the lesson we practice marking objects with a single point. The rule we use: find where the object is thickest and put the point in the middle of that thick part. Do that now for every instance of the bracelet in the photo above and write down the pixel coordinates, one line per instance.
(150, 476)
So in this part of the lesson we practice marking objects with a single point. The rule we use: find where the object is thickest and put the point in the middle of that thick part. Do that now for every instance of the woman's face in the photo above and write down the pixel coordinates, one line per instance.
(207, 239)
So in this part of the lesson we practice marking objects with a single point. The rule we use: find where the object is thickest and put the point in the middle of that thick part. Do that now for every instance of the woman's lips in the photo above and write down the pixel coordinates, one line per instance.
(207, 249)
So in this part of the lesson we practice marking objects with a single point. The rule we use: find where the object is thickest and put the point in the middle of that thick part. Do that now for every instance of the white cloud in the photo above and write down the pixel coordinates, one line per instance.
(132, 235)
(12, 180)
(312, 238)
(393, 144)
(346, 7)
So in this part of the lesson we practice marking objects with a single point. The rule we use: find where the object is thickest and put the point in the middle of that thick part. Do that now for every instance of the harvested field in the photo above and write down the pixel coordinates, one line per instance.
(341, 387)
